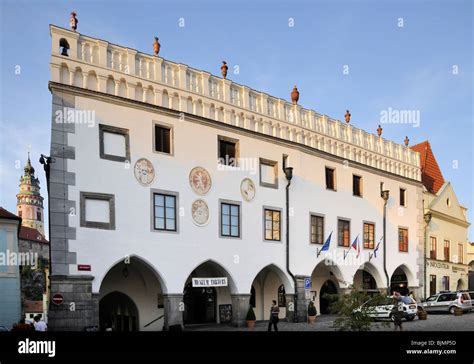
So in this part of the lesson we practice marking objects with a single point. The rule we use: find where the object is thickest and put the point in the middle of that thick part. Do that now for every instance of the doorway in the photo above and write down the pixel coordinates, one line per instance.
(328, 287)
(200, 305)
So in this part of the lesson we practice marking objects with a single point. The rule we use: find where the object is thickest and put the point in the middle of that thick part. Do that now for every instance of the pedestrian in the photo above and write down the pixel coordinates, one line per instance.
(40, 325)
(274, 312)
(21, 326)
(397, 311)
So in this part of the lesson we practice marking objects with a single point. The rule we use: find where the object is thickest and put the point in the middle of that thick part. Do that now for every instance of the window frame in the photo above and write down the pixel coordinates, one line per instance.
(165, 193)
(222, 138)
(273, 210)
(404, 194)
(103, 128)
(447, 259)
(231, 203)
(364, 223)
(400, 228)
(270, 163)
(110, 198)
(334, 181)
(435, 255)
(343, 219)
(360, 179)
(318, 216)
(162, 125)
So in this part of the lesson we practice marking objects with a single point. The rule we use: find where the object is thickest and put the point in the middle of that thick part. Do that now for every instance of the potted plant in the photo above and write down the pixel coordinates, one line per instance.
(311, 312)
(250, 318)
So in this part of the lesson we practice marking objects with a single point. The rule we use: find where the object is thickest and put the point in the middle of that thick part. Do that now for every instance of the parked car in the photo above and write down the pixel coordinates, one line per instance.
(447, 301)
(383, 309)
(471, 294)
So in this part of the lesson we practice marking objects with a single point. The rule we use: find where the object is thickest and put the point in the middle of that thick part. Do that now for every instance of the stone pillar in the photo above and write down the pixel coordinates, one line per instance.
(301, 301)
(80, 307)
(174, 308)
(102, 83)
(240, 306)
(290, 307)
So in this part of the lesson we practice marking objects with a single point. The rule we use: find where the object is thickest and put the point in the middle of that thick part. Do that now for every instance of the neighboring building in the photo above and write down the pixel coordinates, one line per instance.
(31, 240)
(165, 174)
(29, 201)
(470, 260)
(447, 231)
(35, 308)
(10, 312)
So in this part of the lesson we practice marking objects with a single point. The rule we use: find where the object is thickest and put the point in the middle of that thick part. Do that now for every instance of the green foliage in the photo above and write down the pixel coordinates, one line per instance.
(250, 315)
(312, 309)
(354, 313)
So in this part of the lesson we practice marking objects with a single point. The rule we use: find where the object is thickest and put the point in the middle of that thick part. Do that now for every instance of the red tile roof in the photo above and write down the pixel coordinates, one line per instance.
(431, 175)
(33, 306)
(4, 214)
(27, 233)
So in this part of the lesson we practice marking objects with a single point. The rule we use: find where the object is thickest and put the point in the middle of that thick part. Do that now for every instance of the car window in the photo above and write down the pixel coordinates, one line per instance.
(431, 299)
(446, 297)
(465, 296)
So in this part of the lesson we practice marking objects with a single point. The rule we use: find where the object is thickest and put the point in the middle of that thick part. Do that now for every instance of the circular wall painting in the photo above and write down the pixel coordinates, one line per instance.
(144, 171)
(247, 189)
(200, 180)
(200, 212)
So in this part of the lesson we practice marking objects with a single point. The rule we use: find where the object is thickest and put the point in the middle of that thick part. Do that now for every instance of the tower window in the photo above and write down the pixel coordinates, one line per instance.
(38, 216)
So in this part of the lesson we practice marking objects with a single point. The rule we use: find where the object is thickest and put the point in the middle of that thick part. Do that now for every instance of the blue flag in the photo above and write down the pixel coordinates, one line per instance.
(377, 248)
(326, 244)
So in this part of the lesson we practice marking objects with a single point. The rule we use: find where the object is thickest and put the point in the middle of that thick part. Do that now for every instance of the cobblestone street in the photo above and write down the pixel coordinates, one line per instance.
(435, 322)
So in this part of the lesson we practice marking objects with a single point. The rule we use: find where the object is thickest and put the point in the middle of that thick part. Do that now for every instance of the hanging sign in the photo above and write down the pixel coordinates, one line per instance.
(210, 282)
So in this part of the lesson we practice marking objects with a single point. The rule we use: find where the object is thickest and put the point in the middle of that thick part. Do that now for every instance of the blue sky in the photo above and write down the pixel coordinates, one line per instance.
(403, 68)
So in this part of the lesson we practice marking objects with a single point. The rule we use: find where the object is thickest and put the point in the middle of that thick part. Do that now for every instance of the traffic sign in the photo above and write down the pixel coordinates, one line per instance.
(307, 283)
(57, 299)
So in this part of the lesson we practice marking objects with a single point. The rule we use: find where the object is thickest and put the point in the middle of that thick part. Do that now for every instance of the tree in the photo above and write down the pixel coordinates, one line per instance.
(354, 310)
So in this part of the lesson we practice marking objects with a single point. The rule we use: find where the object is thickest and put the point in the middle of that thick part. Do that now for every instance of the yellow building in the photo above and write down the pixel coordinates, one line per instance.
(446, 232)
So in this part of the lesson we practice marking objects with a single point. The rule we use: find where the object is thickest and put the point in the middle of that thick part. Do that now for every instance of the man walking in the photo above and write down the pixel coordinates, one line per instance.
(274, 312)
(40, 325)
(397, 311)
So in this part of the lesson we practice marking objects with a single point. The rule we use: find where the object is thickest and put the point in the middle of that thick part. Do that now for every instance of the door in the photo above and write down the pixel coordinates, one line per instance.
(199, 305)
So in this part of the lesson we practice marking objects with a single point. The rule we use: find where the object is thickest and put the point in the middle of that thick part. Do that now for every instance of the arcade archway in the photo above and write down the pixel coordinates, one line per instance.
(326, 279)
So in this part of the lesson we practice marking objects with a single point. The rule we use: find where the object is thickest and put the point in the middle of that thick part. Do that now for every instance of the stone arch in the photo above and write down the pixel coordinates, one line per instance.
(64, 74)
(110, 86)
(165, 99)
(139, 92)
(150, 95)
(92, 81)
(401, 279)
(123, 88)
(78, 79)
(373, 271)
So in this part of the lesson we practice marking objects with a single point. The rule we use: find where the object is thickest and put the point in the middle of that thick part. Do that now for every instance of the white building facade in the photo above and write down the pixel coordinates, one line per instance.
(141, 206)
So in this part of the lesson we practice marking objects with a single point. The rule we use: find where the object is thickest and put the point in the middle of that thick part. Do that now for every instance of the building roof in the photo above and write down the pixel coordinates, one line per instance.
(4, 214)
(31, 234)
(33, 306)
(431, 175)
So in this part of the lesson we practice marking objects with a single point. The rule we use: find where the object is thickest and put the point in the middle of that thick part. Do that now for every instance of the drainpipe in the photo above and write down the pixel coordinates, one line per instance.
(289, 175)
(46, 162)
(427, 218)
(385, 194)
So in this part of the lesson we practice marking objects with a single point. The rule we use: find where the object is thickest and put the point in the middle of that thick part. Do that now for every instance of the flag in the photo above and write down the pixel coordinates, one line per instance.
(356, 245)
(377, 247)
(326, 244)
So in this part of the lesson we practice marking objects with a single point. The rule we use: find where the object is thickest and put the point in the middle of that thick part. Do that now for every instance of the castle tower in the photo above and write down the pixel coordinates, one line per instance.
(29, 204)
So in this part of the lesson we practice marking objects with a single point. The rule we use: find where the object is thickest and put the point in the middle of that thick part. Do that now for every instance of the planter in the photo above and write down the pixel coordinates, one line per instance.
(422, 315)
(311, 319)
(250, 324)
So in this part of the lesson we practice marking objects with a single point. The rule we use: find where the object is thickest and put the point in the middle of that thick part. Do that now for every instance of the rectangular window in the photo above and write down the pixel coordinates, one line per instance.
(433, 245)
(446, 284)
(268, 173)
(369, 236)
(317, 229)
(460, 253)
(163, 139)
(272, 225)
(403, 193)
(432, 284)
(97, 210)
(164, 212)
(230, 220)
(447, 250)
(114, 143)
(330, 179)
(344, 232)
(403, 240)
(38, 216)
(228, 151)
(357, 185)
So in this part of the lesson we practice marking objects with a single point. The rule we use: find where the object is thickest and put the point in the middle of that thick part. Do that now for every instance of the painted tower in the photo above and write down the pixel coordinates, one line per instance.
(29, 204)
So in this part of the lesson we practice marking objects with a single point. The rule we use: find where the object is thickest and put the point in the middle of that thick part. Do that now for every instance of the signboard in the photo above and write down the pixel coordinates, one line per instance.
(57, 299)
(210, 282)
(84, 267)
(225, 313)
(307, 283)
